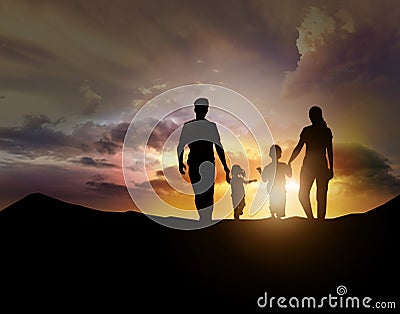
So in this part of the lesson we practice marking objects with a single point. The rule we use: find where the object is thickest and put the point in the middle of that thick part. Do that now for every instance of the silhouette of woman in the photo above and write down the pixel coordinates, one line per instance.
(318, 140)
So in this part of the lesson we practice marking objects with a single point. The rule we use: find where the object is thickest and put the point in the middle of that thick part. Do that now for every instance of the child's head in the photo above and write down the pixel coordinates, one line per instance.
(238, 171)
(275, 152)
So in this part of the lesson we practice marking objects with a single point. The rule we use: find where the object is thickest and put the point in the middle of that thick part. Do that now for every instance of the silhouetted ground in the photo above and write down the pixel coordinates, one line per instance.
(58, 256)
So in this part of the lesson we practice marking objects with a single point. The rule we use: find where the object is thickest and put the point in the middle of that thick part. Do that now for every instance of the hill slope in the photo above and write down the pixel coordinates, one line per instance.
(84, 259)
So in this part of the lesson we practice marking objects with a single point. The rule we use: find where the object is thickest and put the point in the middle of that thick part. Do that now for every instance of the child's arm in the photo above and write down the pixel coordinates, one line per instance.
(250, 181)
(289, 170)
(263, 173)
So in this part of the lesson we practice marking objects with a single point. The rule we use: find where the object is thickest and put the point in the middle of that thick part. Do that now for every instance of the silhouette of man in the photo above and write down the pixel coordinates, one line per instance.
(318, 140)
(201, 136)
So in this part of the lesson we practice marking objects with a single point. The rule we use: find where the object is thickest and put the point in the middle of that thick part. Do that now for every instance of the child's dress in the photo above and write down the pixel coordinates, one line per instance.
(238, 195)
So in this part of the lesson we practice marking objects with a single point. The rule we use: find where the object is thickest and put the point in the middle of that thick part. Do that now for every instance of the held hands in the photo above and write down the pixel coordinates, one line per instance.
(182, 167)
(227, 175)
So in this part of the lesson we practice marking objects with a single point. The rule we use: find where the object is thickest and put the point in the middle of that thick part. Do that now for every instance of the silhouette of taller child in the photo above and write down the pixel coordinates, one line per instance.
(318, 140)
(201, 136)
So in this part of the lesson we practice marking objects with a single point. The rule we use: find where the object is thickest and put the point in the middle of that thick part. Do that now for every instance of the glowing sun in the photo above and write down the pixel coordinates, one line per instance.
(292, 185)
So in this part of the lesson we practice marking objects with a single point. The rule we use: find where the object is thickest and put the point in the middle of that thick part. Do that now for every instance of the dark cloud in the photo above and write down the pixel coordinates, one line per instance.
(39, 121)
(35, 137)
(363, 168)
(106, 188)
(99, 178)
(118, 132)
(97, 163)
(160, 134)
(110, 138)
(107, 146)
(141, 132)
(38, 135)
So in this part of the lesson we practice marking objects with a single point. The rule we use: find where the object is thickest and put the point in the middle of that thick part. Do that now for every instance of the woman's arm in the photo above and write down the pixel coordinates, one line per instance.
(296, 150)
(329, 149)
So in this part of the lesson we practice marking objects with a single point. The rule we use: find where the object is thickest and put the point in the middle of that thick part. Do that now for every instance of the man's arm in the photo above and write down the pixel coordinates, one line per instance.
(221, 155)
(180, 150)
(220, 151)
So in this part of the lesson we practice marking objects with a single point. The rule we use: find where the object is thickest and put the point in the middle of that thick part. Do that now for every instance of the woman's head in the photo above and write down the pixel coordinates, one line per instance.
(315, 114)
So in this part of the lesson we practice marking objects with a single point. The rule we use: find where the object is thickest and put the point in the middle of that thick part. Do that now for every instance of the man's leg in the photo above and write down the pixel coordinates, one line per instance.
(207, 172)
(202, 179)
(194, 176)
(206, 206)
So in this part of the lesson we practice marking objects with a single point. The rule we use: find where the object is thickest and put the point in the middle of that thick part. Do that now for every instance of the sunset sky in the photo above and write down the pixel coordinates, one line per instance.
(73, 75)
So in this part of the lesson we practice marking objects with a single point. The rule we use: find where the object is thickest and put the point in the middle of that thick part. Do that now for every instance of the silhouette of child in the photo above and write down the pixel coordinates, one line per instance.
(277, 197)
(237, 188)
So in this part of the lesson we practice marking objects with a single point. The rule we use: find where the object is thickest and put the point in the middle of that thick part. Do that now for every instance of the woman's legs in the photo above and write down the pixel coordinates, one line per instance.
(306, 182)
(322, 190)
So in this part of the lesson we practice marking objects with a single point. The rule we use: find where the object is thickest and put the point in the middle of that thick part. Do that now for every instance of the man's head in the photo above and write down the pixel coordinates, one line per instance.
(201, 107)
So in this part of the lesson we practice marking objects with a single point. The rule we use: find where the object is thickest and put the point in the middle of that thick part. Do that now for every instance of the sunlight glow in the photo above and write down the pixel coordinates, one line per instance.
(292, 185)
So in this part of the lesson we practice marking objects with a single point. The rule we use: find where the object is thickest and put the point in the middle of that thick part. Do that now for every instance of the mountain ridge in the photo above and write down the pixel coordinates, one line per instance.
(46, 200)
(94, 260)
